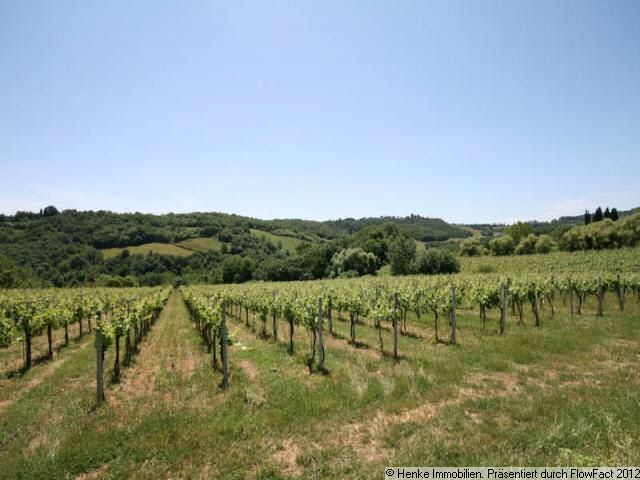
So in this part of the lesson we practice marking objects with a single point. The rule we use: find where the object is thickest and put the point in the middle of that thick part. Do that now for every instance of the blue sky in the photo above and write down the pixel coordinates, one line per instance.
(472, 111)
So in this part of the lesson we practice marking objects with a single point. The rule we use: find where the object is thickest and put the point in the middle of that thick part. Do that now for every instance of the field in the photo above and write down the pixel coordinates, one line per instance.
(288, 243)
(159, 248)
(562, 393)
(188, 247)
(200, 244)
(179, 249)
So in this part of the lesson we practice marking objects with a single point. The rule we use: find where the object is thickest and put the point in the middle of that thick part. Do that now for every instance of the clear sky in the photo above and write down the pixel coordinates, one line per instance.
(472, 111)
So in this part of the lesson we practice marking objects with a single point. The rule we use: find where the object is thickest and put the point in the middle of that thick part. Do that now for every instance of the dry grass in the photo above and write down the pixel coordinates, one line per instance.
(286, 457)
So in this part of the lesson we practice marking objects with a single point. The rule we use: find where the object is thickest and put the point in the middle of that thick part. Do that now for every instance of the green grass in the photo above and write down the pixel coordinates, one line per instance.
(203, 244)
(566, 393)
(159, 248)
(288, 243)
(180, 249)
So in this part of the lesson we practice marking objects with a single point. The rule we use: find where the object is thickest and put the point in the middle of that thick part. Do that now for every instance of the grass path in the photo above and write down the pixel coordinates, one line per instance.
(163, 371)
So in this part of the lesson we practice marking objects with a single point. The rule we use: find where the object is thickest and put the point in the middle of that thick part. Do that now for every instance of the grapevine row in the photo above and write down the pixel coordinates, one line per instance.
(386, 301)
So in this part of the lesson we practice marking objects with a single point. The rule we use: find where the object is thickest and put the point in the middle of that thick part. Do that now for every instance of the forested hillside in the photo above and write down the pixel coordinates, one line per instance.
(75, 248)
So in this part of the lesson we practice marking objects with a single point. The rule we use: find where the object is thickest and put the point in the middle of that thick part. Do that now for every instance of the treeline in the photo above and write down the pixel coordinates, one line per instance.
(599, 215)
(420, 228)
(104, 229)
(598, 233)
(363, 253)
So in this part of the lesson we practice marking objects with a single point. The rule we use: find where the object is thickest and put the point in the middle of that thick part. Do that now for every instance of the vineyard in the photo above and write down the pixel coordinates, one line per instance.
(334, 378)
(386, 304)
(624, 260)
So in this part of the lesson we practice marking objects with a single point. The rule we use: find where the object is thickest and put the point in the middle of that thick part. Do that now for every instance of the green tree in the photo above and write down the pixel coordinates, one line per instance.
(597, 217)
(471, 247)
(614, 214)
(402, 252)
(527, 245)
(353, 262)
(502, 245)
(607, 213)
(544, 244)
(280, 269)
(315, 259)
(433, 261)
(587, 217)
(518, 231)
(50, 211)
(375, 239)
(237, 269)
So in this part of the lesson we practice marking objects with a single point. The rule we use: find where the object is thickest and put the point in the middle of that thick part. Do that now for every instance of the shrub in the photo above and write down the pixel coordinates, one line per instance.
(355, 260)
(544, 244)
(527, 245)
(434, 261)
(472, 248)
(502, 245)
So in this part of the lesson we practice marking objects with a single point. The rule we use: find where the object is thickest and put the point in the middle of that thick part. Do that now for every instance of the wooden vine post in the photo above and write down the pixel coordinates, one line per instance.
(27, 337)
(214, 339)
(116, 364)
(600, 296)
(127, 342)
(99, 362)
(50, 339)
(274, 325)
(570, 294)
(319, 326)
(395, 326)
(80, 314)
(534, 306)
(621, 289)
(503, 309)
(454, 318)
(223, 349)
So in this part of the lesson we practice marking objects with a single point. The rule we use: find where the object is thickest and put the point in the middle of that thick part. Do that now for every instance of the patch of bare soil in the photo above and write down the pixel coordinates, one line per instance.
(249, 369)
(334, 342)
(496, 384)
(93, 474)
(286, 457)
